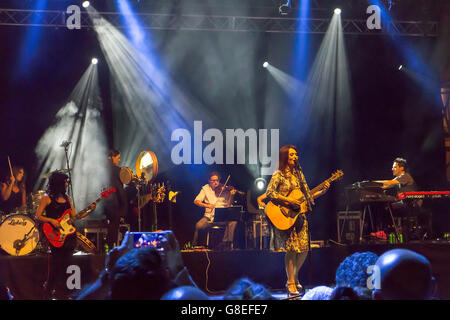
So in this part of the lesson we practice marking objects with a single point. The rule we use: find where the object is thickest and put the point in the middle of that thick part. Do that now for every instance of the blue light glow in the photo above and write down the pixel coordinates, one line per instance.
(29, 48)
(410, 54)
(134, 30)
(301, 58)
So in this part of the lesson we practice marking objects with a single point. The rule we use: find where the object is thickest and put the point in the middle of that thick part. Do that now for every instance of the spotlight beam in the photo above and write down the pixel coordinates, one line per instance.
(147, 104)
(80, 122)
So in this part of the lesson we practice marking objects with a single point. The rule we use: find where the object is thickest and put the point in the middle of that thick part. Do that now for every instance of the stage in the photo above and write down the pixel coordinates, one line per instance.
(215, 271)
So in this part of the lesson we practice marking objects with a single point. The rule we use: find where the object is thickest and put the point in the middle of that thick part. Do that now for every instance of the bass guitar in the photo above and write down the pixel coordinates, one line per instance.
(283, 215)
(57, 236)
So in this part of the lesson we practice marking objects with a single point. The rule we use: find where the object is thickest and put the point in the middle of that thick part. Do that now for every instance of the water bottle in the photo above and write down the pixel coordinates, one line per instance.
(391, 238)
(400, 238)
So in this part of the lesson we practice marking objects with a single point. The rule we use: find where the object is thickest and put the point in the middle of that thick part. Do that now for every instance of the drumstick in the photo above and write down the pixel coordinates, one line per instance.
(9, 162)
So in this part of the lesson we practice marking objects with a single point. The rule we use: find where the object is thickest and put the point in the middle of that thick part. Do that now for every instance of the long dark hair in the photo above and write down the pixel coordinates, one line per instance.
(57, 185)
(21, 183)
(283, 156)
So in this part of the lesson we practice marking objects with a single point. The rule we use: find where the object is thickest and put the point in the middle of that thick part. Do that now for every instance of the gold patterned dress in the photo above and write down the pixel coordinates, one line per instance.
(296, 237)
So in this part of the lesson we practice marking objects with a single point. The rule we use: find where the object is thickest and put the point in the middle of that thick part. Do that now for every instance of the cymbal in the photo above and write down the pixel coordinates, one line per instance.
(48, 174)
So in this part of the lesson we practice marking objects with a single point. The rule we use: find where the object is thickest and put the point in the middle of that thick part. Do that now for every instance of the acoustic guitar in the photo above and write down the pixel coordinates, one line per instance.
(283, 215)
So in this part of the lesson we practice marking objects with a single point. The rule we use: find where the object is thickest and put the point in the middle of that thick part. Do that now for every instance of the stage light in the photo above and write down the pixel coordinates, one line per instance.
(291, 85)
(400, 67)
(265, 64)
(86, 4)
(337, 11)
(94, 61)
(285, 8)
(260, 184)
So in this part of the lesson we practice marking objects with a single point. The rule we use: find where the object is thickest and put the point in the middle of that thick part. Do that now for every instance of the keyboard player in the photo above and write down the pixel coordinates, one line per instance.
(403, 182)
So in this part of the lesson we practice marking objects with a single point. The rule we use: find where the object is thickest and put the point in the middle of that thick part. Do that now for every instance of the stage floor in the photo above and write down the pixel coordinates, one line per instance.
(215, 271)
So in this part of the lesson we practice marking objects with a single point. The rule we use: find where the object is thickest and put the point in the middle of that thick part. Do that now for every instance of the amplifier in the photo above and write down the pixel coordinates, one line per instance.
(348, 226)
(97, 236)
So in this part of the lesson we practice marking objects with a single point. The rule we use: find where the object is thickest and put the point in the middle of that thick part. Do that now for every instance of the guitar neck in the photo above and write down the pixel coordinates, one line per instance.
(86, 210)
(320, 187)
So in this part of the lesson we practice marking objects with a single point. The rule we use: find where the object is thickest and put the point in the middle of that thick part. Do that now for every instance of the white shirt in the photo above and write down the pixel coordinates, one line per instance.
(207, 195)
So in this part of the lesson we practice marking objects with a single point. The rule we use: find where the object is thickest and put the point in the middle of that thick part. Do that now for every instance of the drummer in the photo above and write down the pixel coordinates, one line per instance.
(13, 191)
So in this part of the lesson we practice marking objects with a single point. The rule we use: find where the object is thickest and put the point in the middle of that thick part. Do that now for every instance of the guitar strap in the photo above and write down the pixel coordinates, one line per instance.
(304, 188)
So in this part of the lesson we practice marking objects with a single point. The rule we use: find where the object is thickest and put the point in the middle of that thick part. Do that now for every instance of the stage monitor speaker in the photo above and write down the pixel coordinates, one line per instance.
(348, 226)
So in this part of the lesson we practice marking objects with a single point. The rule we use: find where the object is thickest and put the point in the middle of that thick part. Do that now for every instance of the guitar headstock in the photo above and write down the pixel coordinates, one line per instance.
(337, 175)
(158, 193)
(107, 193)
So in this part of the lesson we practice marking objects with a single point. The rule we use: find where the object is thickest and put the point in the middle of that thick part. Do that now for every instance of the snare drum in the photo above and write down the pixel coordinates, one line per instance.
(126, 175)
(23, 210)
(19, 235)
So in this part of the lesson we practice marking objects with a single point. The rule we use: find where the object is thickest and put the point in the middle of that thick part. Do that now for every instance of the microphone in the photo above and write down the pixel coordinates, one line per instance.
(65, 143)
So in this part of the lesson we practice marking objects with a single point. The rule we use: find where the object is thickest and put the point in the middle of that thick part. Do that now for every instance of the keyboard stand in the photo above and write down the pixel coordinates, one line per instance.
(397, 233)
(367, 208)
(361, 226)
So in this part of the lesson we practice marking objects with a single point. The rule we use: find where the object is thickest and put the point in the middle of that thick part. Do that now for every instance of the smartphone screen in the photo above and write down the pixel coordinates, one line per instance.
(147, 239)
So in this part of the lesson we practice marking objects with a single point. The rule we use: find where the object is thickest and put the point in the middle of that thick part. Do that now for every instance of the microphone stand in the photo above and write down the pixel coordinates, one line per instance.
(139, 207)
(140, 184)
(297, 167)
(309, 251)
(169, 187)
(66, 150)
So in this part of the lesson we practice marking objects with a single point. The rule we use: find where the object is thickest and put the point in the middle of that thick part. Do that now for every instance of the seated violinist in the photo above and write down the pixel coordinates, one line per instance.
(211, 196)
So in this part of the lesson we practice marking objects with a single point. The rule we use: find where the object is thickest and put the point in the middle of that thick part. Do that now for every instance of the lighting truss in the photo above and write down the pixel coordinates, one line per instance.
(48, 18)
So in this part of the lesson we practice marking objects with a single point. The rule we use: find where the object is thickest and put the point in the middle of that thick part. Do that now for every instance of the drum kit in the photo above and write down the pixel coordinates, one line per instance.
(20, 231)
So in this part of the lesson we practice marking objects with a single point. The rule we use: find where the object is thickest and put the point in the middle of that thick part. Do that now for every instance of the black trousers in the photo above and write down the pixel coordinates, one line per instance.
(113, 231)
(60, 259)
(115, 210)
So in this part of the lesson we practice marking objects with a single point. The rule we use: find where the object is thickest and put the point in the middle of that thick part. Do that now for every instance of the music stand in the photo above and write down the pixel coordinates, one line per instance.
(227, 214)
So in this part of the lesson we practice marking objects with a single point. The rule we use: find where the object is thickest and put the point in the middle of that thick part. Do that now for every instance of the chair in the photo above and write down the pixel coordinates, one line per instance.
(214, 227)
(258, 222)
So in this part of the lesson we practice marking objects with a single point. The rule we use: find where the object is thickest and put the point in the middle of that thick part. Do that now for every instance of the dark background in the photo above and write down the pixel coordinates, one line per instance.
(392, 115)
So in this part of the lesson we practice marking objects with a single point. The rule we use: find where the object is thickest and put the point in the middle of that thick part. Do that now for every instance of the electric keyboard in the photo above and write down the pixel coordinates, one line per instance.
(366, 192)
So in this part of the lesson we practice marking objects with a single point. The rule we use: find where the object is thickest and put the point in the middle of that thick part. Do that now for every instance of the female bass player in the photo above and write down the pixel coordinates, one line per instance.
(55, 203)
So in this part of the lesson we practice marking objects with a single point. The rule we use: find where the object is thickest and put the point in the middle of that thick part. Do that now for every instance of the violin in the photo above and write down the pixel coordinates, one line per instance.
(221, 187)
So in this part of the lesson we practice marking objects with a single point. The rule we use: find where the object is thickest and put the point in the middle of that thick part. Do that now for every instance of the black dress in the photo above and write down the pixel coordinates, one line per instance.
(14, 201)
